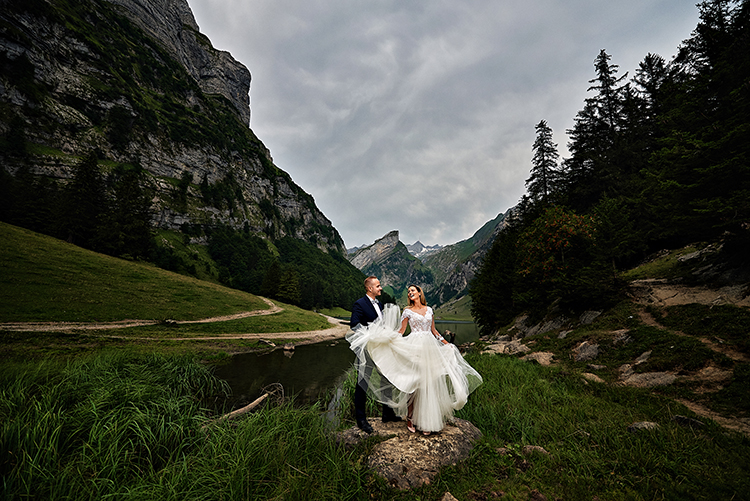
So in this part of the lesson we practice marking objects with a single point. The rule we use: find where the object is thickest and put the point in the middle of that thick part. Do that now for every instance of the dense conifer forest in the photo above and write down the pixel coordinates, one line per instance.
(657, 159)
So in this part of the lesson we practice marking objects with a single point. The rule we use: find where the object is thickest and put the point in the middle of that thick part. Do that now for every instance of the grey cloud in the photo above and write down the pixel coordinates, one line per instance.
(419, 116)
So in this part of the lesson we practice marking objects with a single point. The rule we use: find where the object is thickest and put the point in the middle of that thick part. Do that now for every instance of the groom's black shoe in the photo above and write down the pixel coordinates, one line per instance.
(389, 416)
(363, 425)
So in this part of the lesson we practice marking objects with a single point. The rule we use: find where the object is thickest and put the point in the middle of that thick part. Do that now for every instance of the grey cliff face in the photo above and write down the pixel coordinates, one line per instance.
(376, 252)
(390, 260)
(71, 78)
(172, 23)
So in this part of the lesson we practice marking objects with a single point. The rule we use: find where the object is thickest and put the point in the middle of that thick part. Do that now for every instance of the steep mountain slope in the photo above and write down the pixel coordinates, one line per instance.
(455, 265)
(389, 260)
(136, 82)
(444, 273)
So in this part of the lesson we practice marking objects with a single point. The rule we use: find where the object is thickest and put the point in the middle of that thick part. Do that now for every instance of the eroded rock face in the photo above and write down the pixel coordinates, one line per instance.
(173, 24)
(407, 460)
(375, 252)
(74, 89)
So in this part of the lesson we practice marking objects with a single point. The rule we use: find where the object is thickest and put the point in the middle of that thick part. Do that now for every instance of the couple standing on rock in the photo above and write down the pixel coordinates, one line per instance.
(420, 377)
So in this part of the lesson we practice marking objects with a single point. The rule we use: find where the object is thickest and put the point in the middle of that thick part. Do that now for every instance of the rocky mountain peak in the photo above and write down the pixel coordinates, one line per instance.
(419, 250)
(172, 23)
(376, 252)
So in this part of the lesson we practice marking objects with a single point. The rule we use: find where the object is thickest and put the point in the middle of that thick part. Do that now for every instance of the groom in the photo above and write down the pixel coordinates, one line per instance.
(365, 310)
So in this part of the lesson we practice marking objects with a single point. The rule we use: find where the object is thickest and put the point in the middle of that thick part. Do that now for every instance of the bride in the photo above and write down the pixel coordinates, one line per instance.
(421, 376)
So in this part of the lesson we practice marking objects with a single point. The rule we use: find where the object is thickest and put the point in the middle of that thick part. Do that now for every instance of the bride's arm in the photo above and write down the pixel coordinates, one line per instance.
(404, 322)
(436, 333)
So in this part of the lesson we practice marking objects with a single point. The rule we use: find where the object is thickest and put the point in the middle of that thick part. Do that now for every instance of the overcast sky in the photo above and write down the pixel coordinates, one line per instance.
(419, 115)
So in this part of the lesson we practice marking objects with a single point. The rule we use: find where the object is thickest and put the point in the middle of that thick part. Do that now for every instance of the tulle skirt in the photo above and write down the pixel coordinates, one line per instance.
(416, 370)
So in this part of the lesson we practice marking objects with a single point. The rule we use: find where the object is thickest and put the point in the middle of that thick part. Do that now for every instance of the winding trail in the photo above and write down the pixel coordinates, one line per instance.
(662, 293)
(339, 328)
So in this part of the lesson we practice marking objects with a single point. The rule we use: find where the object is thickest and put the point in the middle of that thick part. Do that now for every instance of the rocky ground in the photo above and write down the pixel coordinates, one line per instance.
(407, 460)
(651, 292)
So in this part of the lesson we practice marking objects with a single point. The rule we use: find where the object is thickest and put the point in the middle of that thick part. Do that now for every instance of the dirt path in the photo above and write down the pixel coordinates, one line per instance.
(741, 425)
(120, 324)
(338, 329)
(662, 293)
(730, 352)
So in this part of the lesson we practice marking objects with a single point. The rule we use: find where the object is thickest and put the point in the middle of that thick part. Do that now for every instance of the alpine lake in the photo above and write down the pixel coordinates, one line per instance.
(308, 372)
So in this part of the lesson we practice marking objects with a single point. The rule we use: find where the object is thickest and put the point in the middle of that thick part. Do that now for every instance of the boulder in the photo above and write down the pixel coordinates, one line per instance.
(642, 425)
(588, 317)
(592, 377)
(649, 379)
(585, 351)
(541, 357)
(643, 358)
(506, 348)
(407, 460)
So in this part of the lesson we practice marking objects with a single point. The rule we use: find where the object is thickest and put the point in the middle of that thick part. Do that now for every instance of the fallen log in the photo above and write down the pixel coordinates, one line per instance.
(243, 410)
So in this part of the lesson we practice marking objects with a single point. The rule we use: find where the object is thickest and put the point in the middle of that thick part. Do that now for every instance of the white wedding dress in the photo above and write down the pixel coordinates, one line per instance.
(415, 369)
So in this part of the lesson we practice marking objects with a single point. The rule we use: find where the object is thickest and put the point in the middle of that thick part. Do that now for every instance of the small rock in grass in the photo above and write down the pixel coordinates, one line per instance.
(642, 425)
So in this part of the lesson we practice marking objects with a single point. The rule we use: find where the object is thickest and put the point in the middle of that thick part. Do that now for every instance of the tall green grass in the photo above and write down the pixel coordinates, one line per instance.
(88, 428)
(584, 427)
(139, 427)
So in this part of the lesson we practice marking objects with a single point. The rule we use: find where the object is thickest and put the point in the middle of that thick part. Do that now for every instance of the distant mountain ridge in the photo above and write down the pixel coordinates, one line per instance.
(443, 272)
(419, 250)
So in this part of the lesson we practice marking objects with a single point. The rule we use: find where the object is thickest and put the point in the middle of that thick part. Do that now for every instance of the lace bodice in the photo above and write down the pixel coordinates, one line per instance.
(419, 322)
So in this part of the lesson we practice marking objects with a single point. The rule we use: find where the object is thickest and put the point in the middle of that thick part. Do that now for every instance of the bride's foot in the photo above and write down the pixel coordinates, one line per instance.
(426, 433)
(410, 426)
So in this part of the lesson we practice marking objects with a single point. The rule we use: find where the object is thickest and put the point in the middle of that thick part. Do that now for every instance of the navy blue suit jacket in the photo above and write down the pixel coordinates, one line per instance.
(363, 312)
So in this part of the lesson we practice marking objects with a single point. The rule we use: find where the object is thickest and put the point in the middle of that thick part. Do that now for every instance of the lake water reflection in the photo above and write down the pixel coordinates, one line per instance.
(308, 372)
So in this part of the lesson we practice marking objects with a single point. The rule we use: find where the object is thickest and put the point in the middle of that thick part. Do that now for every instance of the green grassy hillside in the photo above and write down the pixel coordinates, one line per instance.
(455, 309)
(47, 280)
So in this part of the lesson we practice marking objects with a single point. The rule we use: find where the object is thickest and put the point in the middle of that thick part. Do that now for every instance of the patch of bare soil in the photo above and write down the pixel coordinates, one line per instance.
(661, 292)
(711, 378)
(738, 424)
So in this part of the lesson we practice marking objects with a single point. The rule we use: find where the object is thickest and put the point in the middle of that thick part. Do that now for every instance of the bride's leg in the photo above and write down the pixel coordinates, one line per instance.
(410, 411)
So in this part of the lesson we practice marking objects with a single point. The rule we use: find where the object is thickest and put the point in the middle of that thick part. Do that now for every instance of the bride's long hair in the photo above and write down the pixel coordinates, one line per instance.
(421, 295)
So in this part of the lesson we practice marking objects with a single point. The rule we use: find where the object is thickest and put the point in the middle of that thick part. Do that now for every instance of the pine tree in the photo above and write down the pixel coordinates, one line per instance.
(595, 144)
(702, 164)
(128, 223)
(85, 204)
(542, 182)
